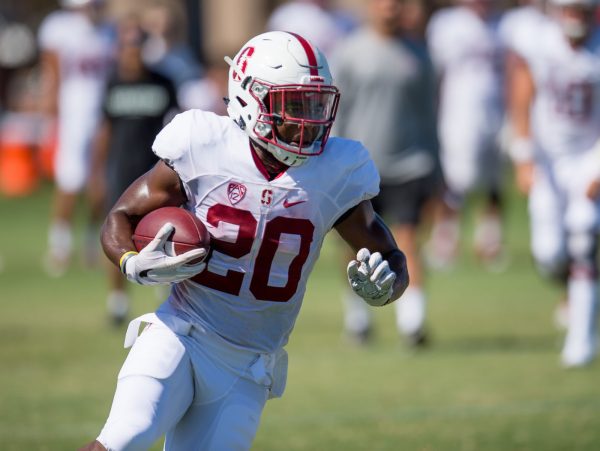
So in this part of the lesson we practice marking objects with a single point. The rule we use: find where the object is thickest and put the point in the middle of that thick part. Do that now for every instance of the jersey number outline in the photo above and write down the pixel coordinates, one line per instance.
(231, 282)
(576, 101)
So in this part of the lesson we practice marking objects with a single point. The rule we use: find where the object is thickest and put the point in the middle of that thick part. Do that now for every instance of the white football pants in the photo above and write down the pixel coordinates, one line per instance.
(470, 158)
(73, 154)
(188, 383)
(564, 227)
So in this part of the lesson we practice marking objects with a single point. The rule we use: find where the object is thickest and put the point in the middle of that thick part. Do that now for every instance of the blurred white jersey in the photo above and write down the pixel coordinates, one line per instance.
(467, 53)
(519, 29)
(85, 52)
(566, 109)
(267, 235)
(309, 20)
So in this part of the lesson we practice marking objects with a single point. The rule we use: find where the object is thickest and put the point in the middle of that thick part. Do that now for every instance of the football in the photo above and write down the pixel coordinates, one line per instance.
(190, 233)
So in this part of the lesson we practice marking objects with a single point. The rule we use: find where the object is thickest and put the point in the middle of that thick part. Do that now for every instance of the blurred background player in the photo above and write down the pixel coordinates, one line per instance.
(555, 112)
(519, 30)
(466, 50)
(135, 108)
(315, 19)
(76, 55)
(519, 25)
(388, 105)
(166, 49)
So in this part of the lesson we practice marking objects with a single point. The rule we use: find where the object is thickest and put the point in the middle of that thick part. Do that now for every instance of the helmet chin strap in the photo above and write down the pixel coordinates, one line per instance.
(273, 160)
(287, 158)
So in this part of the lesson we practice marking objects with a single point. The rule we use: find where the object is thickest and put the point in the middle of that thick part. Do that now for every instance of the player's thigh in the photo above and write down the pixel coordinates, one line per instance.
(460, 158)
(72, 157)
(581, 219)
(154, 389)
(546, 211)
(228, 423)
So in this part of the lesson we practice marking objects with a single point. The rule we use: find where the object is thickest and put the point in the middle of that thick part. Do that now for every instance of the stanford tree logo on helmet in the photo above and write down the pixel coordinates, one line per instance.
(280, 82)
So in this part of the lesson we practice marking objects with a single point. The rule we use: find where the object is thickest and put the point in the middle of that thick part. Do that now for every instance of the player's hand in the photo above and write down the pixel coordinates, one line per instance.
(371, 277)
(524, 174)
(153, 266)
(593, 189)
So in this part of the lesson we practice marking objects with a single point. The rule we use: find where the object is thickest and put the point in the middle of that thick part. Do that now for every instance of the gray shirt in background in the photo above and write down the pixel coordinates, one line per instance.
(388, 103)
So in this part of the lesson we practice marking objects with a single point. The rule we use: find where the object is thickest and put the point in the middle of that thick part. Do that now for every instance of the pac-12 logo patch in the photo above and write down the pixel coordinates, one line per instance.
(235, 192)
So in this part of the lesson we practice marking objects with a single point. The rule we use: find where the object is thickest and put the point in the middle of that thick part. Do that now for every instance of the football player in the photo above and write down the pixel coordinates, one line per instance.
(466, 50)
(268, 184)
(77, 50)
(555, 114)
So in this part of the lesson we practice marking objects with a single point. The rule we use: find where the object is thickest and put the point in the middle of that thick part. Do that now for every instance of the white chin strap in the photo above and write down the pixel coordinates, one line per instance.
(287, 158)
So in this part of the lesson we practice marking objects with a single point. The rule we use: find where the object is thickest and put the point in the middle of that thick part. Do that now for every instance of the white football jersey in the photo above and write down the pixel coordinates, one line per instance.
(566, 109)
(466, 50)
(85, 53)
(519, 29)
(267, 235)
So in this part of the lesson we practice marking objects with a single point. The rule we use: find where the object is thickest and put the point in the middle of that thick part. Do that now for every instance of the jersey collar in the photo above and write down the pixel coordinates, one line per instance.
(261, 167)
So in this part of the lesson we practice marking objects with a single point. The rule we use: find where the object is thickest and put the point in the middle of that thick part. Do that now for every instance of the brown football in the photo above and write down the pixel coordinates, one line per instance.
(190, 233)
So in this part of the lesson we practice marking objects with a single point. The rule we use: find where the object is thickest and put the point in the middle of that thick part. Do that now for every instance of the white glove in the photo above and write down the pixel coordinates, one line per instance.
(153, 266)
(371, 277)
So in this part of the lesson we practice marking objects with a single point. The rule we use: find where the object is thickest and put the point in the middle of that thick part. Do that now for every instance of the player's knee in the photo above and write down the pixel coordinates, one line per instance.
(581, 246)
(551, 261)
(556, 270)
(94, 446)
(582, 250)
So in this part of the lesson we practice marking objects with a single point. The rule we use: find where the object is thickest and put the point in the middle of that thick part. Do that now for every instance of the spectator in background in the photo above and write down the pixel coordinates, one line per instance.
(467, 53)
(76, 56)
(388, 105)
(135, 108)
(555, 115)
(206, 93)
(166, 50)
(316, 20)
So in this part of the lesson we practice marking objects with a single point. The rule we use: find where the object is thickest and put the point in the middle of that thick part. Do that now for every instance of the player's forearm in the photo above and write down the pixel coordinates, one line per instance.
(116, 235)
(50, 82)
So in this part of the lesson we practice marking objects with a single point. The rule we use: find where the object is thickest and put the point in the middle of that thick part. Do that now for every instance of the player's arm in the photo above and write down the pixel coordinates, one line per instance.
(50, 79)
(159, 187)
(521, 91)
(96, 185)
(379, 273)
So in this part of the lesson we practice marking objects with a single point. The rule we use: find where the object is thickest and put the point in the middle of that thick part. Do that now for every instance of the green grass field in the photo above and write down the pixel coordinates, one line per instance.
(490, 380)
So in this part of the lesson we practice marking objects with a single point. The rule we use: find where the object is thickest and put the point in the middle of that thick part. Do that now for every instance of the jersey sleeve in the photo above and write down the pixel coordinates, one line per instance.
(360, 180)
(173, 145)
(50, 34)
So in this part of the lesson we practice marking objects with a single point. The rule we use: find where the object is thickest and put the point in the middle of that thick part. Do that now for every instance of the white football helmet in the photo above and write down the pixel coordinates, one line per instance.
(279, 79)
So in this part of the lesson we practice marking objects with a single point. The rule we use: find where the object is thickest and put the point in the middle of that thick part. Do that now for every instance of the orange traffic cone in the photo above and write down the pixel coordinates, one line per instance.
(18, 172)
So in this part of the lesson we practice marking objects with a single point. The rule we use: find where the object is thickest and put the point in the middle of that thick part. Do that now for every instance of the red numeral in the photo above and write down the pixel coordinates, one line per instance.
(576, 101)
(231, 282)
(259, 285)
